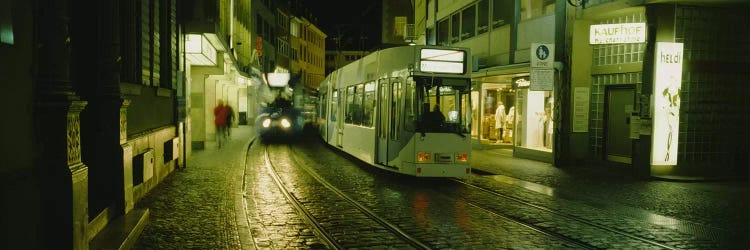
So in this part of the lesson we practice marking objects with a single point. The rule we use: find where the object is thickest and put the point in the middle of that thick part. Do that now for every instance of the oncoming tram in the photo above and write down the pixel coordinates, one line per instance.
(403, 109)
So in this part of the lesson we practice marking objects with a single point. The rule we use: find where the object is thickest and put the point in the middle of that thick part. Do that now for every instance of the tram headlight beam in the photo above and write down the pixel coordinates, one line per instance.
(285, 123)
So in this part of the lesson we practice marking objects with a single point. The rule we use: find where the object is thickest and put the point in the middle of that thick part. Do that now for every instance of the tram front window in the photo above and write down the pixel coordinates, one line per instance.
(443, 109)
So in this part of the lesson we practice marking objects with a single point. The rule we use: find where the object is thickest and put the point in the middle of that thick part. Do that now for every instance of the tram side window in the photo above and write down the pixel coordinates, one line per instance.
(369, 104)
(349, 111)
(383, 108)
(410, 116)
(396, 110)
(334, 105)
(358, 111)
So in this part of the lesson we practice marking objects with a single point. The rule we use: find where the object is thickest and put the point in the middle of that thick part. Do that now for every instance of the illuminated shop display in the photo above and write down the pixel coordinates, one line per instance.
(533, 117)
(666, 96)
(511, 114)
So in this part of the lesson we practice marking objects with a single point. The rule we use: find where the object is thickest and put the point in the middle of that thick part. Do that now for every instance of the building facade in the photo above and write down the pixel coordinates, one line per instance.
(107, 103)
(660, 88)
(93, 95)
(651, 86)
(509, 108)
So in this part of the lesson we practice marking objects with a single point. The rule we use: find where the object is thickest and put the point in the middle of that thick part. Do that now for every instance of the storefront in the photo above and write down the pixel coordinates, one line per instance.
(506, 114)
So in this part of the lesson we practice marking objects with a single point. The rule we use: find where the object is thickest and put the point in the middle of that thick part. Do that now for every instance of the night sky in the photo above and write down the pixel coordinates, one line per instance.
(356, 21)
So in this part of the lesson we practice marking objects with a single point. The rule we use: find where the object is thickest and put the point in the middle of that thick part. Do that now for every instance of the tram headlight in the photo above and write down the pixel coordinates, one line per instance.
(462, 157)
(285, 123)
(266, 123)
(424, 157)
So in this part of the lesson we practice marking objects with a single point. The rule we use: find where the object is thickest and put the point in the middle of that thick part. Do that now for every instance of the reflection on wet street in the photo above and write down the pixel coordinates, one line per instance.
(345, 203)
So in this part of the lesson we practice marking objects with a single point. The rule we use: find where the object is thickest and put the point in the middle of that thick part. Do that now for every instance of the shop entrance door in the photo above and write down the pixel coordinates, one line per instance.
(619, 104)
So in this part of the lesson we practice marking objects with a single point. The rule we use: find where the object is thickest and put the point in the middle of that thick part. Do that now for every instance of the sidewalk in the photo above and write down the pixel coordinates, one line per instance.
(200, 206)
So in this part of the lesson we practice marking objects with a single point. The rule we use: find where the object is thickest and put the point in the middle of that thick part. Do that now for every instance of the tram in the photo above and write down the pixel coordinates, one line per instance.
(282, 112)
(403, 109)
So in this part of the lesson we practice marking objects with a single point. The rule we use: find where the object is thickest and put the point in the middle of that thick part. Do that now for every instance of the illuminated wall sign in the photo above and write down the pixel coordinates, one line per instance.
(617, 33)
(667, 84)
(442, 61)
(522, 82)
(199, 51)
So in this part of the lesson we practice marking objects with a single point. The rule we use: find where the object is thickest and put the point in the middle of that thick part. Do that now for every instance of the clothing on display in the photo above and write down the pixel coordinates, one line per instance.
(500, 122)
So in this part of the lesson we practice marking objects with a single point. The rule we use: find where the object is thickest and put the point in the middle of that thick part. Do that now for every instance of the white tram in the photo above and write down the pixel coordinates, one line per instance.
(379, 109)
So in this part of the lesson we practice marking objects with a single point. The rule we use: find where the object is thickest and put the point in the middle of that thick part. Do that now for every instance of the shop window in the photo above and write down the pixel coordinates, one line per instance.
(534, 128)
(502, 12)
(536, 8)
(468, 16)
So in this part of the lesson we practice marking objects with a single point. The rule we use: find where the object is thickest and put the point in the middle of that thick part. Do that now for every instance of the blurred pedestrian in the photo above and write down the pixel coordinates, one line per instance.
(230, 119)
(220, 120)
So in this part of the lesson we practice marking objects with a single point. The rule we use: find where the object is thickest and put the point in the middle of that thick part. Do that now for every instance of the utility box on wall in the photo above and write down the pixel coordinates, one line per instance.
(171, 149)
(143, 167)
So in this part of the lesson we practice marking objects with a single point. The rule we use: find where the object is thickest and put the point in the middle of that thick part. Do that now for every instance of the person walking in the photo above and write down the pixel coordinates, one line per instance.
(229, 120)
(220, 121)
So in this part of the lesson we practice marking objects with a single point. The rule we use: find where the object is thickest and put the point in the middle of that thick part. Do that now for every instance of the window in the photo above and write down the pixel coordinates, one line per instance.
(349, 113)
(455, 27)
(399, 24)
(369, 104)
(335, 105)
(483, 17)
(6, 23)
(410, 106)
(536, 8)
(443, 32)
(502, 13)
(395, 110)
(383, 108)
(468, 16)
(358, 110)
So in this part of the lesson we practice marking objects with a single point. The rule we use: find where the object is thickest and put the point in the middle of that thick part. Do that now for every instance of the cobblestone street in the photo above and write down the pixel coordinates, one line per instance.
(227, 199)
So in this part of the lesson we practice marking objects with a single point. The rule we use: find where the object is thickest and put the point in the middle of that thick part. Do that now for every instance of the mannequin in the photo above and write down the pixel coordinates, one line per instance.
(509, 120)
(500, 121)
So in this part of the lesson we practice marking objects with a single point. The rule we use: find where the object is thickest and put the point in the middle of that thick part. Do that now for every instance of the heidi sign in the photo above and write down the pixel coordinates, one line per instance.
(667, 86)
(617, 33)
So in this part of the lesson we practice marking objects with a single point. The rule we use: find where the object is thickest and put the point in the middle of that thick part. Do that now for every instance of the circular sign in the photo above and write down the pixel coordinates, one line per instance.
(542, 52)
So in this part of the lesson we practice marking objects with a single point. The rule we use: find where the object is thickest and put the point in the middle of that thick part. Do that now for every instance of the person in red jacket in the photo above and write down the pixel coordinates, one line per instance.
(220, 120)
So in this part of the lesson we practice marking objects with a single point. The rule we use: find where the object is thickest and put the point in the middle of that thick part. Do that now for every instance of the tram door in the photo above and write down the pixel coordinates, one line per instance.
(383, 121)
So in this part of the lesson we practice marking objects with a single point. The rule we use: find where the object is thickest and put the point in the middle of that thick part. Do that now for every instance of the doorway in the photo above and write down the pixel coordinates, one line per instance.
(619, 102)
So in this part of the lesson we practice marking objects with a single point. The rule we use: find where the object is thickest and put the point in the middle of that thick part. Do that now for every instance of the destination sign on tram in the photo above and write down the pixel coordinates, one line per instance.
(442, 61)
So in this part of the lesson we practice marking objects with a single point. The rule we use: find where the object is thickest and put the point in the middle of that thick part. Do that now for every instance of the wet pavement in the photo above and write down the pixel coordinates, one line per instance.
(514, 203)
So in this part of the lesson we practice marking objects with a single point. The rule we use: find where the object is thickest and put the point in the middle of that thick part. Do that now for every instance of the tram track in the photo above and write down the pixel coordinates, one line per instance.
(569, 241)
(559, 215)
(328, 237)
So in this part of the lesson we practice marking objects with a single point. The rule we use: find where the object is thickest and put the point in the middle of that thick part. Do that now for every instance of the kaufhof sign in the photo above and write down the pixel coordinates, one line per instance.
(617, 33)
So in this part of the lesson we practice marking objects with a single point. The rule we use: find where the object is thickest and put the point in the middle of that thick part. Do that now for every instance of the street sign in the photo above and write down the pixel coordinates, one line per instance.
(542, 73)
(542, 79)
(542, 55)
